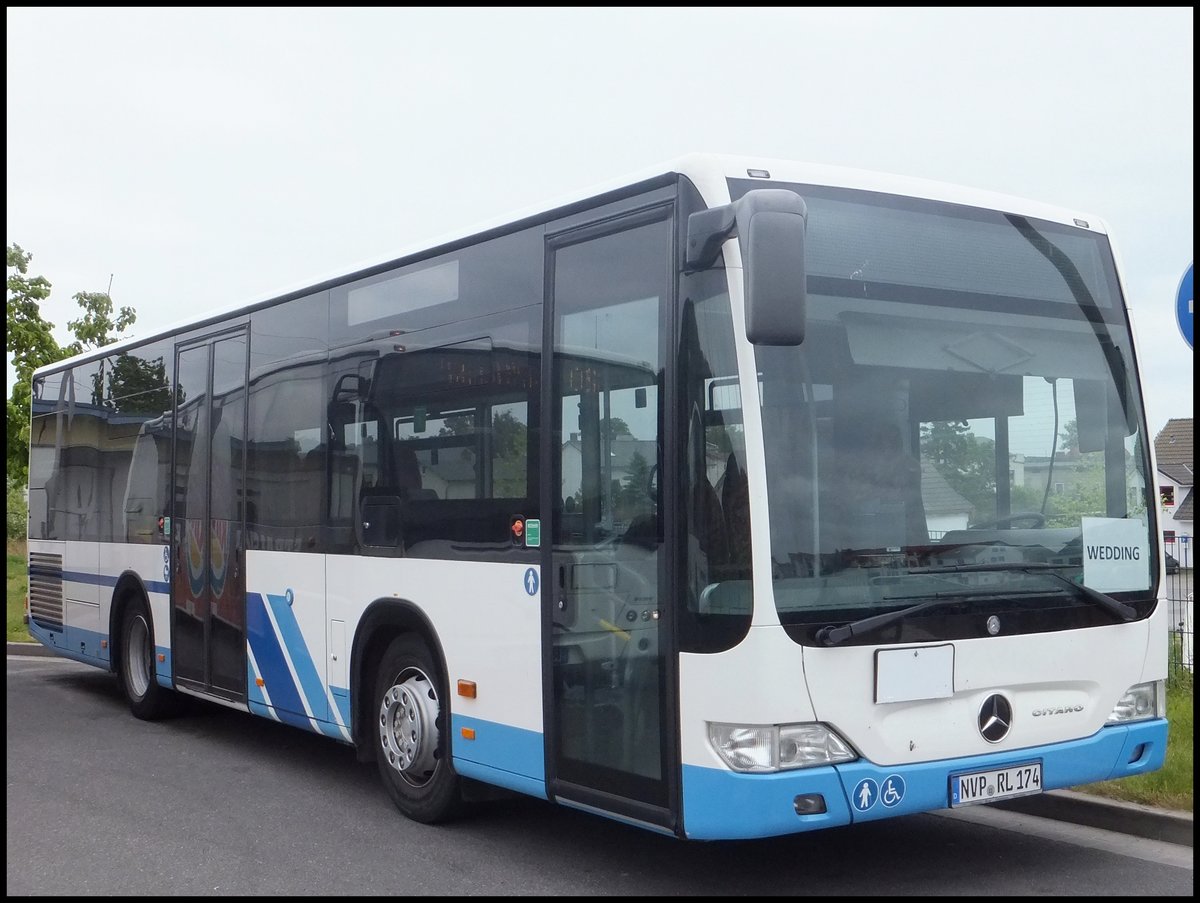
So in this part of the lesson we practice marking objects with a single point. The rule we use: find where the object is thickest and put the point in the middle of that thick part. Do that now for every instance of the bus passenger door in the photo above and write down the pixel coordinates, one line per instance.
(609, 731)
(208, 591)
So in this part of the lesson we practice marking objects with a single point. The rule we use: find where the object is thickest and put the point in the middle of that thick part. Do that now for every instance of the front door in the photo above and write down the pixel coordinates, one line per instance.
(208, 586)
(604, 571)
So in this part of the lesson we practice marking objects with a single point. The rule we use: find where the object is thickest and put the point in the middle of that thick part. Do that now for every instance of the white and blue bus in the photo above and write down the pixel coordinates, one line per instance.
(735, 499)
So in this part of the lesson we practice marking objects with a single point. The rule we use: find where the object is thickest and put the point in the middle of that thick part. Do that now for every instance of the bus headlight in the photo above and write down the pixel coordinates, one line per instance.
(775, 747)
(1141, 702)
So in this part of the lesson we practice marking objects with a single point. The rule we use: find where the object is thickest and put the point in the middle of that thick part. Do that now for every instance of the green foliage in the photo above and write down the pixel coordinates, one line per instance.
(16, 465)
(29, 339)
(1083, 498)
(137, 386)
(1180, 678)
(18, 509)
(509, 444)
(635, 494)
(1171, 786)
(18, 586)
(612, 427)
(31, 344)
(96, 328)
(510, 453)
(967, 462)
(1069, 437)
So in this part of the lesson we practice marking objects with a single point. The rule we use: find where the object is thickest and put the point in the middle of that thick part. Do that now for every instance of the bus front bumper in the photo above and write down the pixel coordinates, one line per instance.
(724, 805)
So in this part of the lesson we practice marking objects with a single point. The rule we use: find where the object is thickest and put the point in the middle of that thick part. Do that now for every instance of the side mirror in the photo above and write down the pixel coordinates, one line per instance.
(770, 224)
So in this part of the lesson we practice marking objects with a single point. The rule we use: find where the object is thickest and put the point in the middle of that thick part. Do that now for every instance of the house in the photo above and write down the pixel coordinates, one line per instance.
(945, 509)
(1173, 452)
(623, 458)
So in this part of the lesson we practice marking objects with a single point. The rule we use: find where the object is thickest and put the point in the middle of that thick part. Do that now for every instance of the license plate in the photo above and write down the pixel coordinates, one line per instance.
(995, 784)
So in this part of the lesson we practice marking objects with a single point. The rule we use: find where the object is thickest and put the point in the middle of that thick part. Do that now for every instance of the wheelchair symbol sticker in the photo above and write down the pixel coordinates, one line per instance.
(892, 791)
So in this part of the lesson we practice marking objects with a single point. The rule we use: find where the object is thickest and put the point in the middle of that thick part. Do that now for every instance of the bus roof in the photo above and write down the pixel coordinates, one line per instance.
(709, 172)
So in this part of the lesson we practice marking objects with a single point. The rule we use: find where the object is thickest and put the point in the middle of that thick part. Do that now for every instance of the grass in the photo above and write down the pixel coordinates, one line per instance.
(1171, 786)
(17, 587)
(1168, 788)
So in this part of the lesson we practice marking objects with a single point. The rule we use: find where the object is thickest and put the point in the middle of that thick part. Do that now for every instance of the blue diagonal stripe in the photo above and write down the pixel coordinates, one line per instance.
(306, 671)
(269, 655)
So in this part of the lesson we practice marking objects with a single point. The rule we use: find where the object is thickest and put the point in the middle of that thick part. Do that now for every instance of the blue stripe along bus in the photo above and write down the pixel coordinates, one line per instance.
(734, 499)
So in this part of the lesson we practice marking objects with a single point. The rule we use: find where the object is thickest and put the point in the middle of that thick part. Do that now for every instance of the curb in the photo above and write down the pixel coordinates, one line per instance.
(29, 649)
(1166, 825)
(1072, 806)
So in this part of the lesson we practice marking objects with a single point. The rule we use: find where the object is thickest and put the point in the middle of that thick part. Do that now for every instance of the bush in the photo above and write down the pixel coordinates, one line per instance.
(18, 510)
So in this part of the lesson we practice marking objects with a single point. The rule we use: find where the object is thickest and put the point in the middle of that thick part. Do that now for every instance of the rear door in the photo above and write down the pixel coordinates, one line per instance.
(208, 586)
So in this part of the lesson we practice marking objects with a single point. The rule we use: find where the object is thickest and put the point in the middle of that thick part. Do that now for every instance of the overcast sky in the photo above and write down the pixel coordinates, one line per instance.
(207, 157)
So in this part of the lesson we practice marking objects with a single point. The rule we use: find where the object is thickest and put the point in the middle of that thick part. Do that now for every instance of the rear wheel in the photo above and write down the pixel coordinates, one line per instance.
(147, 699)
(410, 733)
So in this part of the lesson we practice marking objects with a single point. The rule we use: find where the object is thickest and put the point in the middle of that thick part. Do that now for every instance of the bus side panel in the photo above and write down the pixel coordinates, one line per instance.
(82, 594)
(488, 623)
(47, 615)
(151, 562)
(287, 668)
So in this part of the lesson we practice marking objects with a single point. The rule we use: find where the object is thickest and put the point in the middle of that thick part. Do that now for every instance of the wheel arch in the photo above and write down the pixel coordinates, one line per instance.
(383, 621)
(129, 586)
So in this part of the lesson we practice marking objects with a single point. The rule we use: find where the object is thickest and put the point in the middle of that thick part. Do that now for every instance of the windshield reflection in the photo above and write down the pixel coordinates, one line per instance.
(961, 399)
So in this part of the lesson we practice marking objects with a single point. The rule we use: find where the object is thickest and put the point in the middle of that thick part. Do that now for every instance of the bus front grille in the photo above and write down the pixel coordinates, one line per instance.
(46, 589)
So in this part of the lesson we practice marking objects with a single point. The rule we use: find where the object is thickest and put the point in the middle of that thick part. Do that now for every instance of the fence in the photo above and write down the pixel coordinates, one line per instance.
(1177, 592)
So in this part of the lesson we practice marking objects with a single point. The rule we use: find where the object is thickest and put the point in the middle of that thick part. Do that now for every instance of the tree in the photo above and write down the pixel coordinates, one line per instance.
(1084, 494)
(1069, 437)
(137, 386)
(96, 328)
(635, 494)
(612, 427)
(31, 343)
(967, 461)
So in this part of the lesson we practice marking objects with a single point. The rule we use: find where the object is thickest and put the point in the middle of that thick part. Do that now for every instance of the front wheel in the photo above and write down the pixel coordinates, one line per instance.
(147, 699)
(410, 733)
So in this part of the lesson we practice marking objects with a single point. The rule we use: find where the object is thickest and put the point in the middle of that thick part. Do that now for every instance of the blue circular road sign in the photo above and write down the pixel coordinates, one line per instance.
(1183, 305)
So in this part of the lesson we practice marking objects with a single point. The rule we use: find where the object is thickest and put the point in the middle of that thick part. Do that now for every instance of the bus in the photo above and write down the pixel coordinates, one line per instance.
(734, 499)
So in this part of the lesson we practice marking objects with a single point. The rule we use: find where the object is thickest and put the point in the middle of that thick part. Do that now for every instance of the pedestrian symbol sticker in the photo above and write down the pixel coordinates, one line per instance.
(865, 793)
(892, 791)
(531, 581)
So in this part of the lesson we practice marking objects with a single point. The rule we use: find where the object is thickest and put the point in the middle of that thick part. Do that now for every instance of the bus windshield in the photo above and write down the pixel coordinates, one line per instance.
(965, 396)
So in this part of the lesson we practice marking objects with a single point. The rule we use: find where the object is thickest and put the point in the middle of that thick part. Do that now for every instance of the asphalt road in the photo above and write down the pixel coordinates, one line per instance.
(220, 803)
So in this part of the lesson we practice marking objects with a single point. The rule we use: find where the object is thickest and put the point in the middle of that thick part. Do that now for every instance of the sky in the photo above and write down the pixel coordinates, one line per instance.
(196, 159)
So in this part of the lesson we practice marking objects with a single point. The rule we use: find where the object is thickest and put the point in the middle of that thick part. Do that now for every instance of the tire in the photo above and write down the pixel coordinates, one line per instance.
(410, 733)
(147, 699)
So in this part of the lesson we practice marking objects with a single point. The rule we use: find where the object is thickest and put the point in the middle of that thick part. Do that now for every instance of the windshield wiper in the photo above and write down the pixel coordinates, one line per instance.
(832, 636)
(1105, 601)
